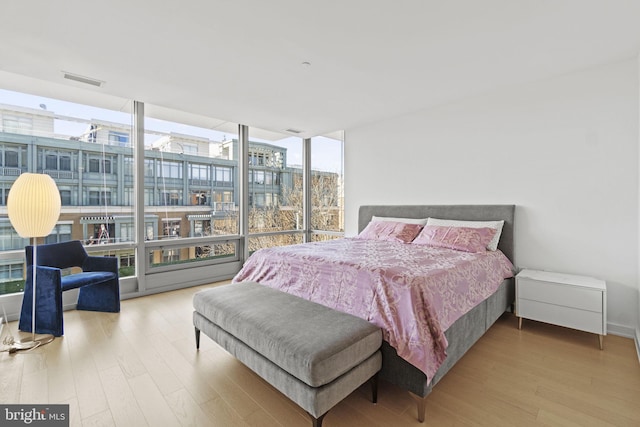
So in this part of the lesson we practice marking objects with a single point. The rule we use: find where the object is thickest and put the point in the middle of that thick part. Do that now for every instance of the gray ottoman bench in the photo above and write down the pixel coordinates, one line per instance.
(314, 355)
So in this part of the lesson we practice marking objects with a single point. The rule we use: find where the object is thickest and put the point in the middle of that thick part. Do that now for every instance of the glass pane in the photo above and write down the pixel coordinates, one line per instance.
(190, 177)
(275, 186)
(327, 212)
(324, 237)
(70, 142)
(259, 242)
(221, 252)
(126, 259)
(11, 280)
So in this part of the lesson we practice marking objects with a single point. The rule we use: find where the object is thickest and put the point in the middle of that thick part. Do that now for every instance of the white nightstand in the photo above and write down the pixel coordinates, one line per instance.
(576, 302)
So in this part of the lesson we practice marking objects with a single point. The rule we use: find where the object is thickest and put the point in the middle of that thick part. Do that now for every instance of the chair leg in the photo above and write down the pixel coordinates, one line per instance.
(100, 297)
(49, 318)
(197, 339)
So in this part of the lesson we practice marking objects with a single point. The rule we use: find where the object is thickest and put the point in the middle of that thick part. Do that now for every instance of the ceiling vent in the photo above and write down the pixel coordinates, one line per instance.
(296, 131)
(82, 79)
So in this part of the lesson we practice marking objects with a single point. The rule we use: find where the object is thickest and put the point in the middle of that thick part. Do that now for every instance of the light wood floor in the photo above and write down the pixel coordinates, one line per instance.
(140, 367)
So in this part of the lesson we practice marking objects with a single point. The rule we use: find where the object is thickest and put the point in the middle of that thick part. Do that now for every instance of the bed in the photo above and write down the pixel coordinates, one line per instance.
(415, 355)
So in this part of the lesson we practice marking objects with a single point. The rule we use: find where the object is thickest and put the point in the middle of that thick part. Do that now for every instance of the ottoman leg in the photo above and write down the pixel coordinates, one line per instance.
(197, 339)
(374, 388)
(317, 422)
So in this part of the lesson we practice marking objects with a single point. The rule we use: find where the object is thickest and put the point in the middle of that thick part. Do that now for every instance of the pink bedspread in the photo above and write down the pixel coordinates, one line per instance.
(413, 292)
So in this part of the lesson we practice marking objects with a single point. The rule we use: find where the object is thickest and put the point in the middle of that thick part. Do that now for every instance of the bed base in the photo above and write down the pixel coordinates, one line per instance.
(470, 327)
(462, 335)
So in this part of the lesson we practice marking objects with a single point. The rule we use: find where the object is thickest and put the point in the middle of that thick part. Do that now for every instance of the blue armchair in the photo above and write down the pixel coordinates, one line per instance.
(98, 283)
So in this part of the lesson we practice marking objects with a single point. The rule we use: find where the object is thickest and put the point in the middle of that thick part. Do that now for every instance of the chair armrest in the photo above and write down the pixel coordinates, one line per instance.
(100, 263)
(45, 275)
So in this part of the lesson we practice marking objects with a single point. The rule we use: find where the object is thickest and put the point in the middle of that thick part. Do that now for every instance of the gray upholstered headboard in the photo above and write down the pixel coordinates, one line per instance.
(462, 212)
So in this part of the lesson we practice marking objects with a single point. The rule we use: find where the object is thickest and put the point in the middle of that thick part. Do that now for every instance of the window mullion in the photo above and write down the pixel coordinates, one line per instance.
(138, 208)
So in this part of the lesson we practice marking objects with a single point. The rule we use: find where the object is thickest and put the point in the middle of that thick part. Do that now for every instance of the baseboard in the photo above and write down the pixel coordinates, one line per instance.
(626, 332)
(621, 331)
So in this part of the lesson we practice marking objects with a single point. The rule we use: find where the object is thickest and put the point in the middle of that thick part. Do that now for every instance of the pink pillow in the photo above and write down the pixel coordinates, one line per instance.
(389, 230)
(465, 239)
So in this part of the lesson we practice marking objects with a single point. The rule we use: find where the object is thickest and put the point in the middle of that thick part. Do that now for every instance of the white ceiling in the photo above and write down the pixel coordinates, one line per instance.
(241, 60)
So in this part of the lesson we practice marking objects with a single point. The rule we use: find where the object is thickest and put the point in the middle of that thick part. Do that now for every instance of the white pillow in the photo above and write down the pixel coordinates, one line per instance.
(420, 221)
(497, 225)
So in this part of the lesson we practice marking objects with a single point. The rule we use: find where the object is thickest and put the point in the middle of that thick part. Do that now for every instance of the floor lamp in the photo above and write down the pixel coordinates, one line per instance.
(33, 206)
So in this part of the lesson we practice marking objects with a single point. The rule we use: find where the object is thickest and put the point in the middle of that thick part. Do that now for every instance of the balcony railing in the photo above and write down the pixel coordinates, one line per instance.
(224, 206)
(8, 171)
(200, 182)
(57, 174)
(223, 183)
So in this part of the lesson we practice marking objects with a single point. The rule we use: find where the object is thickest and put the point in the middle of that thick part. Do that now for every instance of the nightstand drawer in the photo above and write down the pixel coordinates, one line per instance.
(564, 295)
(588, 321)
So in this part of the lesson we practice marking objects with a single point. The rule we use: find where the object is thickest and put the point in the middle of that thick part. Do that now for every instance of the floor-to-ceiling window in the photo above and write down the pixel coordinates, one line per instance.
(189, 175)
(275, 189)
(190, 184)
(70, 142)
(326, 187)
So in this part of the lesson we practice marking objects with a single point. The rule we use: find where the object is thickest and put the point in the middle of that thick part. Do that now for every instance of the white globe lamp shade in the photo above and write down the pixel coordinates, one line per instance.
(33, 205)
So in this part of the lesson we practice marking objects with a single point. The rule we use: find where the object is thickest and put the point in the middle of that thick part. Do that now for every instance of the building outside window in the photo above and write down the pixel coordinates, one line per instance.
(200, 227)
(94, 165)
(57, 160)
(259, 200)
(128, 166)
(199, 173)
(11, 159)
(190, 148)
(127, 232)
(223, 175)
(14, 157)
(65, 197)
(149, 232)
(60, 233)
(223, 201)
(126, 229)
(118, 138)
(100, 233)
(17, 124)
(170, 197)
(148, 168)
(168, 169)
(51, 162)
(100, 165)
(200, 179)
(128, 195)
(148, 197)
(200, 197)
(171, 227)
(9, 239)
(65, 162)
(99, 197)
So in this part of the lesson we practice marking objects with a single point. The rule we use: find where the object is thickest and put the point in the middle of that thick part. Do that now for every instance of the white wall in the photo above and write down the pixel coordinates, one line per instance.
(638, 324)
(564, 150)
